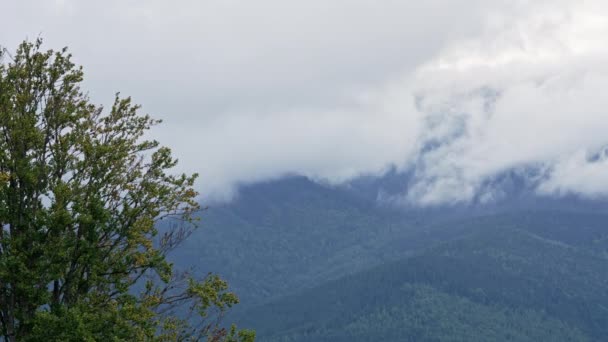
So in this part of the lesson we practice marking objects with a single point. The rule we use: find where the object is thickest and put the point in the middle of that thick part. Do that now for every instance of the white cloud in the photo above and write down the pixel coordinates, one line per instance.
(459, 90)
(526, 94)
(577, 174)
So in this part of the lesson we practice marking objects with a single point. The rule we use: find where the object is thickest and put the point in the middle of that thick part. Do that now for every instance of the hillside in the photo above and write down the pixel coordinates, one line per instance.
(527, 282)
(280, 237)
(314, 262)
(291, 234)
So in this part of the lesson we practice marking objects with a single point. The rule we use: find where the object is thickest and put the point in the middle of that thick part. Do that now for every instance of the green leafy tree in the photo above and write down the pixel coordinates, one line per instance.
(81, 195)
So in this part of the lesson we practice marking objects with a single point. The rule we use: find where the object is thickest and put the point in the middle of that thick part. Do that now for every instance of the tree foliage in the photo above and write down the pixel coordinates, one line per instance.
(81, 193)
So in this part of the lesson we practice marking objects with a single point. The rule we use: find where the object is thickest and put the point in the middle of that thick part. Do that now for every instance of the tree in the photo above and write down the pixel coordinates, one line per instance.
(81, 195)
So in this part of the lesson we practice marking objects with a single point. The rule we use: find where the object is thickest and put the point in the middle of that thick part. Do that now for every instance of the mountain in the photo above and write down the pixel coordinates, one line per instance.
(525, 277)
(311, 261)
(291, 234)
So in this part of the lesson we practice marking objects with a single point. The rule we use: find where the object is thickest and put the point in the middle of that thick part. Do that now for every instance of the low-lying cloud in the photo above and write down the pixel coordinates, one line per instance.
(528, 92)
(457, 92)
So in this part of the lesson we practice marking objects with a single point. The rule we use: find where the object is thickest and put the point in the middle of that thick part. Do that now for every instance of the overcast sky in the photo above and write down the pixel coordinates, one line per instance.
(458, 90)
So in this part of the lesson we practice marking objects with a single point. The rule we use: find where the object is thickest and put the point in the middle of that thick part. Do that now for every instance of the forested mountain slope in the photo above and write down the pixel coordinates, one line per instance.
(289, 235)
(526, 282)
(314, 262)
(282, 236)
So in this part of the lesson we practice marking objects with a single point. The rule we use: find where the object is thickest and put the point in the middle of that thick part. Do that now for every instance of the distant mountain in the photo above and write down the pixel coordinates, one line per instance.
(523, 277)
(291, 234)
(290, 248)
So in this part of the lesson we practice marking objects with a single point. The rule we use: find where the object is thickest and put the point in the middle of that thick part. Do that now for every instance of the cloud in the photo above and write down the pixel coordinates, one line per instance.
(459, 92)
(528, 93)
(578, 173)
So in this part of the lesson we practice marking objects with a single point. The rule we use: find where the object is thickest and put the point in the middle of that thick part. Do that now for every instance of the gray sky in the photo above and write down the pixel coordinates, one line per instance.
(252, 90)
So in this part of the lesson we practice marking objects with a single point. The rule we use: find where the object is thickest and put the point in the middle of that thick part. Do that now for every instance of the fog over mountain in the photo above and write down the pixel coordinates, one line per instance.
(454, 93)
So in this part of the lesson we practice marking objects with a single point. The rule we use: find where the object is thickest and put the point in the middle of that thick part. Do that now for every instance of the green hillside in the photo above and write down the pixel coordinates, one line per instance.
(424, 313)
(296, 234)
(315, 263)
(494, 283)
